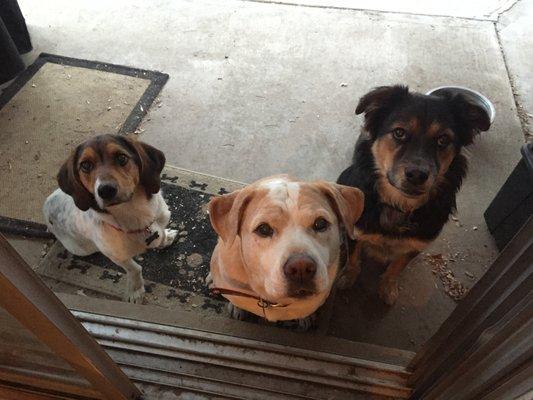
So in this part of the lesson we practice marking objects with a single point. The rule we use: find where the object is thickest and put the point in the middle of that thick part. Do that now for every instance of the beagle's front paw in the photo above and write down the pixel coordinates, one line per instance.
(135, 291)
(135, 296)
(170, 236)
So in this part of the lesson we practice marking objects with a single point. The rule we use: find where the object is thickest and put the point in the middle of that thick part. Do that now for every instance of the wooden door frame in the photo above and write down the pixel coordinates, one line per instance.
(25, 296)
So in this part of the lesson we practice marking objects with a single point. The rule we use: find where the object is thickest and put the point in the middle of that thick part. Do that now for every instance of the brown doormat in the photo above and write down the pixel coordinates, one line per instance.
(50, 108)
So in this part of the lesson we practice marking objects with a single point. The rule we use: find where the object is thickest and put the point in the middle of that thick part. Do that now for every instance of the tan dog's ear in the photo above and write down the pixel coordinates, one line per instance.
(347, 202)
(69, 182)
(151, 162)
(226, 212)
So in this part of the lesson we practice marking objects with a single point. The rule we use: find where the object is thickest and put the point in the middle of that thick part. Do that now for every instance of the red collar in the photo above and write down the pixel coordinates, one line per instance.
(145, 229)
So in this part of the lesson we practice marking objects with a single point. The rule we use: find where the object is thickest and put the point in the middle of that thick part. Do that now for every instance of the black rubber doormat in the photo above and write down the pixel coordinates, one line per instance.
(55, 104)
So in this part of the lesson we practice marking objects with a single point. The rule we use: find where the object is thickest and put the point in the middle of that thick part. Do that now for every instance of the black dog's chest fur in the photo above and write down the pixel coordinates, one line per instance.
(384, 221)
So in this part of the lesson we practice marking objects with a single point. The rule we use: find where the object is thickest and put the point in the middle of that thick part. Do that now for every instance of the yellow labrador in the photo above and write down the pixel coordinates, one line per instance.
(279, 245)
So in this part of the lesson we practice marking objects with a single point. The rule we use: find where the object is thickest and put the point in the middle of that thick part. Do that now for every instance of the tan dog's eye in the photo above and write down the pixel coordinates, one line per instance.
(122, 159)
(443, 141)
(264, 230)
(399, 134)
(86, 166)
(320, 225)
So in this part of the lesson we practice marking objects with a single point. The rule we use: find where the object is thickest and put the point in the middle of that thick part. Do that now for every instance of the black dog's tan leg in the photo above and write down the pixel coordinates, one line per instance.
(388, 285)
(353, 268)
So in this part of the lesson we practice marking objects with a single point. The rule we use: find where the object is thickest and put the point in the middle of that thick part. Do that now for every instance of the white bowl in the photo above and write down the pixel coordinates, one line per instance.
(476, 97)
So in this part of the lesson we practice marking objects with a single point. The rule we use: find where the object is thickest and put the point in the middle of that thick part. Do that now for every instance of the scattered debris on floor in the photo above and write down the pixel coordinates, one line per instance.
(452, 286)
(470, 275)
(456, 221)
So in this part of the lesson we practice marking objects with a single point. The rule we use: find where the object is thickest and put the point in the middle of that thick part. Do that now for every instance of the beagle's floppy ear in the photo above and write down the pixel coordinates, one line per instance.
(151, 162)
(226, 213)
(377, 102)
(347, 202)
(69, 182)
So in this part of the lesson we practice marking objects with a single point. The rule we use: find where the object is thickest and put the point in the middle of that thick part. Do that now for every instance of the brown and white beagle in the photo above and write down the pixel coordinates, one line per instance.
(279, 245)
(109, 200)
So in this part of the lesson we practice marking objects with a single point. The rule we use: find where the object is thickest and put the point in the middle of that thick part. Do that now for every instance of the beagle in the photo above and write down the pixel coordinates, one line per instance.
(279, 246)
(110, 201)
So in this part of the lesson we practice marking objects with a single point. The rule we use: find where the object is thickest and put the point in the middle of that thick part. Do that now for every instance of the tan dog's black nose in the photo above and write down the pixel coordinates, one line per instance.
(300, 268)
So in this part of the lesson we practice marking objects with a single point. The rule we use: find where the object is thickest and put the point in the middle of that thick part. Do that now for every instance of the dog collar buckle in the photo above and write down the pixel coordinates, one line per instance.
(262, 303)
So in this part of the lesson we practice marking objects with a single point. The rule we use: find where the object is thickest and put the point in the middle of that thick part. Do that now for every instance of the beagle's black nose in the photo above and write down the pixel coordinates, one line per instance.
(299, 268)
(107, 191)
(416, 175)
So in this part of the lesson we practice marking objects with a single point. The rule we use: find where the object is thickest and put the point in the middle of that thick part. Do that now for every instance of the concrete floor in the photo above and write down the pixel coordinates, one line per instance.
(255, 89)
(475, 9)
(516, 36)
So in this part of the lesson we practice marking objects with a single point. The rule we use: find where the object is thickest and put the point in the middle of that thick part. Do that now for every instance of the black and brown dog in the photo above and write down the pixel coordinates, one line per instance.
(409, 165)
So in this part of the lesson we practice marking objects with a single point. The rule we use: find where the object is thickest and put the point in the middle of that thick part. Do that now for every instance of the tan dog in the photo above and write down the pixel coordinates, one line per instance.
(280, 241)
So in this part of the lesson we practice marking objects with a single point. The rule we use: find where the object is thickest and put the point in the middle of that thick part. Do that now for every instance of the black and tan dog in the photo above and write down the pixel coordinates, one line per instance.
(409, 165)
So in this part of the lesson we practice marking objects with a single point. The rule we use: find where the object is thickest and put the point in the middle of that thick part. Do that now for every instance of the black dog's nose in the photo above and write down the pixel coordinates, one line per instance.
(107, 191)
(300, 268)
(416, 175)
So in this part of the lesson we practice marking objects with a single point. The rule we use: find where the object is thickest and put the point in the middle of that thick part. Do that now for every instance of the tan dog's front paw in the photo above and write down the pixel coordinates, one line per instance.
(388, 290)
(237, 313)
(304, 324)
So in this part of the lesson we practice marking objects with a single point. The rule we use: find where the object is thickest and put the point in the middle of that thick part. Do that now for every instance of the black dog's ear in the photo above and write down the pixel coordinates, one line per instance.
(377, 102)
(151, 163)
(471, 118)
(69, 182)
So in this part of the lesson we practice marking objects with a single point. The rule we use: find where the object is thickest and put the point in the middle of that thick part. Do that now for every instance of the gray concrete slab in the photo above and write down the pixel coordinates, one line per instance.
(276, 103)
(255, 89)
(475, 9)
(515, 29)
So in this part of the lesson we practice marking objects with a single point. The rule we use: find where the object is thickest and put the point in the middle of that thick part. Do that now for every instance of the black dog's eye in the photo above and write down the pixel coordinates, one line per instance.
(264, 230)
(122, 159)
(443, 141)
(320, 225)
(399, 134)
(86, 166)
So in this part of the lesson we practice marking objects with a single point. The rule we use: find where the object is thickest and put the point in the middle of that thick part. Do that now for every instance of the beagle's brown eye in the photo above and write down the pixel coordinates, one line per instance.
(122, 159)
(86, 166)
(443, 141)
(399, 134)
(264, 230)
(320, 225)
